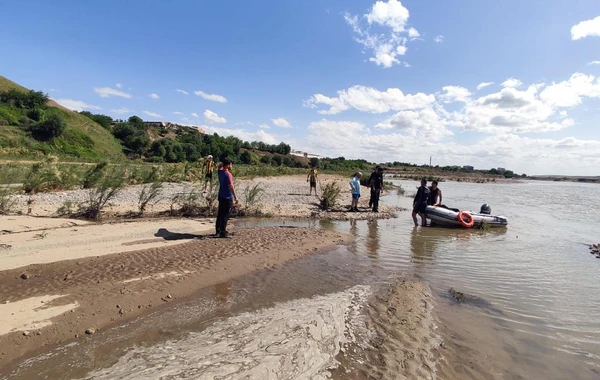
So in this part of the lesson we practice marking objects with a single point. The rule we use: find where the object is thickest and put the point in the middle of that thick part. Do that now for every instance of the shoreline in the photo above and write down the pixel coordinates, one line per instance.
(59, 301)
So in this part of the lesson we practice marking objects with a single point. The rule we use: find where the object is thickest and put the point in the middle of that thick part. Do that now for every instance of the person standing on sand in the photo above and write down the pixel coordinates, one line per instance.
(355, 189)
(227, 197)
(434, 193)
(207, 170)
(312, 178)
(420, 203)
(376, 185)
(370, 185)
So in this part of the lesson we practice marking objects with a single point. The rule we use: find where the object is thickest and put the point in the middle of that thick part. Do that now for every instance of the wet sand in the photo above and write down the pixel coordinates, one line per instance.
(55, 301)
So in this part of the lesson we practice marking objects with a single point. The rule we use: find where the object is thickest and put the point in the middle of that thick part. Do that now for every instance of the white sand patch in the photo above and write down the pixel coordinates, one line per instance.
(75, 242)
(294, 340)
(30, 314)
(158, 276)
(21, 223)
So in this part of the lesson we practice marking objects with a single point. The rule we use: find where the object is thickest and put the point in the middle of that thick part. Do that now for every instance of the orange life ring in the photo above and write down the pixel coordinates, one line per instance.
(462, 215)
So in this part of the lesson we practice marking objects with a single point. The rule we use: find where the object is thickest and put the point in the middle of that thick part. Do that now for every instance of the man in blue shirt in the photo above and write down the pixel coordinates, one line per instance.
(226, 198)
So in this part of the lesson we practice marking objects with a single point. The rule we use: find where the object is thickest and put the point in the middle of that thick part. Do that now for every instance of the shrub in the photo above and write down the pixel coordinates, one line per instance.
(329, 195)
(106, 189)
(42, 176)
(252, 195)
(277, 160)
(149, 195)
(36, 114)
(94, 175)
(265, 159)
(7, 201)
(50, 128)
(246, 158)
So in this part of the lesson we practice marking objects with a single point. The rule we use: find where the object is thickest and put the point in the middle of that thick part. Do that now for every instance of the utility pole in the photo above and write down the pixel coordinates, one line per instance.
(429, 161)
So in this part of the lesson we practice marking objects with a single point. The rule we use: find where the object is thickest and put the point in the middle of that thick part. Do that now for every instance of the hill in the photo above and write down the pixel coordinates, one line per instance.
(82, 139)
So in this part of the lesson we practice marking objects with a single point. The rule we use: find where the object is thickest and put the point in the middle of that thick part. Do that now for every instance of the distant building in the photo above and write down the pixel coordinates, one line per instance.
(468, 168)
(501, 170)
(303, 154)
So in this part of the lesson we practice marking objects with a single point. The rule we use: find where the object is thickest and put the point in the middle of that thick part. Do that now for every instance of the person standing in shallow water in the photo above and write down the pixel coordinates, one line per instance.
(434, 194)
(420, 203)
(376, 184)
(312, 178)
(355, 189)
(227, 197)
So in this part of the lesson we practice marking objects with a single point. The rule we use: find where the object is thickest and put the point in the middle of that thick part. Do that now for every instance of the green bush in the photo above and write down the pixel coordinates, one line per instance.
(246, 158)
(48, 129)
(36, 114)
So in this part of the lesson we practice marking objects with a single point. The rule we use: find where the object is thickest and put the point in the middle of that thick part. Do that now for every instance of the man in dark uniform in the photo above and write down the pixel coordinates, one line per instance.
(376, 184)
(420, 203)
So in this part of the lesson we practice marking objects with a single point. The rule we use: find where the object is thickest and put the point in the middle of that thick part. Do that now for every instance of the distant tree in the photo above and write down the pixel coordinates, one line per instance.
(314, 161)
(265, 159)
(36, 114)
(246, 158)
(50, 128)
(277, 160)
(136, 122)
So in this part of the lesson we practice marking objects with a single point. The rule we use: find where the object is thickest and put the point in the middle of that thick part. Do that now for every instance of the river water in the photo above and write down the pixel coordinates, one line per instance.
(532, 309)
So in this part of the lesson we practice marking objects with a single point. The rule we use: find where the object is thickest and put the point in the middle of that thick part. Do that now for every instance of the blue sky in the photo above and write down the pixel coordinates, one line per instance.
(382, 80)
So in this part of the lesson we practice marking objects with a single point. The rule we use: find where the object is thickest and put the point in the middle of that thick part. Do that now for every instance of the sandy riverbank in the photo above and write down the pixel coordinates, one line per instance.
(53, 289)
(285, 196)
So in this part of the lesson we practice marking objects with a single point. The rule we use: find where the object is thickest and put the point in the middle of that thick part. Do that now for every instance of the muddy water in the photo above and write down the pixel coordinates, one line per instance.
(531, 310)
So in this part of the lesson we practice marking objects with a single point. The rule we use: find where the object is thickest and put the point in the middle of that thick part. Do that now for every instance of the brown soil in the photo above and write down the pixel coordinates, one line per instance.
(114, 288)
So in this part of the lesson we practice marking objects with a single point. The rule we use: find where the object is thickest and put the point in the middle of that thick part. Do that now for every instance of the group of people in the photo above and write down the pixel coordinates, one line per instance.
(375, 184)
(426, 196)
(227, 196)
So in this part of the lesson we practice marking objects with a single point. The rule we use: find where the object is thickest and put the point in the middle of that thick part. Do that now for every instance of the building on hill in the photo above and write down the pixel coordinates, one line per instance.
(303, 154)
(468, 168)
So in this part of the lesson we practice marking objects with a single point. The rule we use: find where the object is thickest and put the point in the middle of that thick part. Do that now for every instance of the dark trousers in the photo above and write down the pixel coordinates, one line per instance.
(375, 199)
(223, 214)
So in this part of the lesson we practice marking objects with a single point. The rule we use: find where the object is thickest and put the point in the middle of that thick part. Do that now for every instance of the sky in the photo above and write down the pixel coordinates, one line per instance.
(513, 84)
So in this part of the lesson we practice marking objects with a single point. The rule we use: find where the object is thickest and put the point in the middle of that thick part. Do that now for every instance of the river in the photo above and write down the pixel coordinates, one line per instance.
(532, 309)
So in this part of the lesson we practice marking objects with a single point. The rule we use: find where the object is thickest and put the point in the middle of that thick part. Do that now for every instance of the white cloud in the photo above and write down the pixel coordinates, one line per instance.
(425, 123)
(178, 113)
(386, 47)
(439, 39)
(153, 96)
(121, 111)
(594, 63)
(152, 114)
(76, 105)
(569, 93)
(483, 85)
(281, 122)
(184, 92)
(194, 114)
(523, 154)
(368, 99)
(264, 126)
(212, 117)
(119, 85)
(106, 92)
(587, 28)
(512, 83)
(211, 97)
(259, 135)
(413, 33)
(455, 94)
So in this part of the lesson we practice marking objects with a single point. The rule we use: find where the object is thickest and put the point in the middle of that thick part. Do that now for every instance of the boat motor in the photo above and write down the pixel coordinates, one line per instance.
(485, 209)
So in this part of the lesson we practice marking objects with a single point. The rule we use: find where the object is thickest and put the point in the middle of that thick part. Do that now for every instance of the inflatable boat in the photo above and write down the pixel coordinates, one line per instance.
(442, 215)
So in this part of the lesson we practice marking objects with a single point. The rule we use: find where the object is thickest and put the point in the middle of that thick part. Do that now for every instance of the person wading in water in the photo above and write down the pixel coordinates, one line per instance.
(420, 203)
(434, 194)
